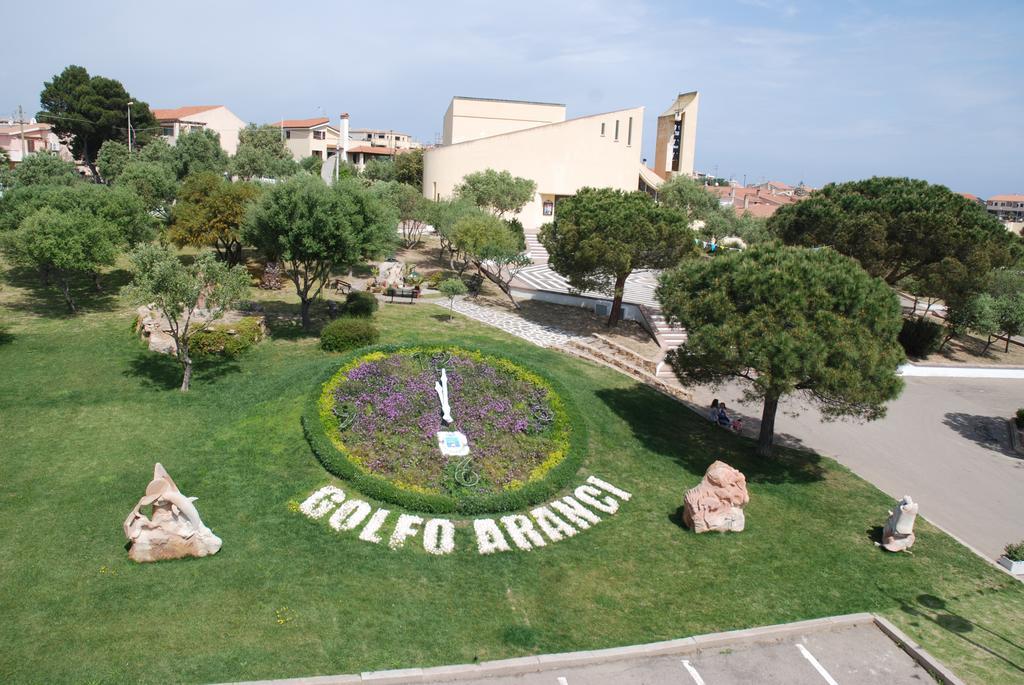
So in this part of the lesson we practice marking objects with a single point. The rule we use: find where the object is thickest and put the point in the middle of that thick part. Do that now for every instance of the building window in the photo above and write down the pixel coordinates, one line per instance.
(629, 132)
(602, 128)
(318, 135)
(167, 131)
(549, 208)
(287, 134)
(616, 130)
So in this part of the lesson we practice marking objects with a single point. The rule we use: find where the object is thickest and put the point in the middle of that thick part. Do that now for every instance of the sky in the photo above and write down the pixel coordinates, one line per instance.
(790, 91)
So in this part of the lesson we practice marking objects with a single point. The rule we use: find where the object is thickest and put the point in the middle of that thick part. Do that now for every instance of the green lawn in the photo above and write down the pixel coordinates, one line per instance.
(85, 410)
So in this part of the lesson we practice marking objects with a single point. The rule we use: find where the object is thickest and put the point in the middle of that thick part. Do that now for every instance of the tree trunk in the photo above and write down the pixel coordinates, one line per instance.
(505, 287)
(988, 343)
(187, 378)
(96, 281)
(616, 314)
(767, 435)
(1008, 336)
(306, 322)
(66, 290)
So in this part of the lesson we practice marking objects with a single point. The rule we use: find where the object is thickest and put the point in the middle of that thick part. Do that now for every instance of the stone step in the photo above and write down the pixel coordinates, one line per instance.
(667, 386)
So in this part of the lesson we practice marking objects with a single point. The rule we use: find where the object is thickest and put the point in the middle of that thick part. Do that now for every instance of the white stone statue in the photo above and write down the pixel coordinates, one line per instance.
(442, 394)
(175, 530)
(898, 533)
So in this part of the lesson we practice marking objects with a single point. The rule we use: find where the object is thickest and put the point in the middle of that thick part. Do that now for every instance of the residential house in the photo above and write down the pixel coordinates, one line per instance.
(310, 137)
(21, 139)
(757, 200)
(372, 137)
(216, 118)
(1009, 209)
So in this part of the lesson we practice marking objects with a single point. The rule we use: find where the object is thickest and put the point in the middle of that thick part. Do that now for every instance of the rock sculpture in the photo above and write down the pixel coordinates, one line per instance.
(175, 531)
(718, 500)
(898, 533)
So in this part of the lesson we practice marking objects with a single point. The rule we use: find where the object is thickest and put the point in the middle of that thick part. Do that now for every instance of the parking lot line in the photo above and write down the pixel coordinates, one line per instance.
(562, 680)
(817, 666)
(693, 672)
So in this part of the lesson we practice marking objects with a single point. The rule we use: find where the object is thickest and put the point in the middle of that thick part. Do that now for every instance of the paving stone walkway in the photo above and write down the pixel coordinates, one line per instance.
(543, 336)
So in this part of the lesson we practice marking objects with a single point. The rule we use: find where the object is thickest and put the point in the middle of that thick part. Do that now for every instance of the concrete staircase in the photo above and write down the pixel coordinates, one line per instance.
(602, 350)
(534, 250)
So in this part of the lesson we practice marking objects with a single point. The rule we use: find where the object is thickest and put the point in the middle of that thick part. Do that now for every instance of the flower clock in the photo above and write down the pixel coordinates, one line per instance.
(450, 431)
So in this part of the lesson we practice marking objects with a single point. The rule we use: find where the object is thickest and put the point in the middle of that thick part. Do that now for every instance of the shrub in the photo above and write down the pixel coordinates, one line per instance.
(361, 303)
(920, 337)
(1020, 418)
(435, 277)
(1015, 552)
(347, 333)
(227, 340)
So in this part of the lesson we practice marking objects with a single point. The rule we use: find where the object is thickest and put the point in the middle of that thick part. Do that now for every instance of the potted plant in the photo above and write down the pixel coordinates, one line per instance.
(1013, 558)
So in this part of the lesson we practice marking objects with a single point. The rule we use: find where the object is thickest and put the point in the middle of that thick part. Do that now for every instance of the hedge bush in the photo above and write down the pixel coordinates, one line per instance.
(348, 332)
(361, 303)
(468, 504)
(920, 337)
(227, 340)
(1020, 418)
(1015, 552)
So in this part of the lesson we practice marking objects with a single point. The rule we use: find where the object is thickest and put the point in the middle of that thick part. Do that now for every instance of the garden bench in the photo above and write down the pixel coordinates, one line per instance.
(340, 286)
(408, 293)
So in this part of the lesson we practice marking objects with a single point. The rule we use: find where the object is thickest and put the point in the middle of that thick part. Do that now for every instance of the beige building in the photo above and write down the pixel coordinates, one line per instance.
(373, 137)
(20, 139)
(217, 118)
(677, 137)
(309, 137)
(535, 141)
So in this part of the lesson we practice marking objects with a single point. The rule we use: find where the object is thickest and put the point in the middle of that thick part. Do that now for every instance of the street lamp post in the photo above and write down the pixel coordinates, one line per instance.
(130, 103)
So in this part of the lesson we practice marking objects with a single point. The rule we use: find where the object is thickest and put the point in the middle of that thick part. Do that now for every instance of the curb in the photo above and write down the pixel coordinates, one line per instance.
(933, 371)
(688, 645)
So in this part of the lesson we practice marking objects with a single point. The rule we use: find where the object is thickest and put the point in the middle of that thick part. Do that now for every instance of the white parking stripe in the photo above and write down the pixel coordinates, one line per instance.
(693, 672)
(818, 667)
(562, 681)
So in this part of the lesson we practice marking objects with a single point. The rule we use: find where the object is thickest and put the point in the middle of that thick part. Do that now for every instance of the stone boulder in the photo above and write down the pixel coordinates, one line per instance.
(898, 532)
(175, 529)
(717, 502)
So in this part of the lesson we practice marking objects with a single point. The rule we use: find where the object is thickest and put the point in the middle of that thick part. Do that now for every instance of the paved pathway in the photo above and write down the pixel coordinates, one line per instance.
(944, 442)
(544, 336)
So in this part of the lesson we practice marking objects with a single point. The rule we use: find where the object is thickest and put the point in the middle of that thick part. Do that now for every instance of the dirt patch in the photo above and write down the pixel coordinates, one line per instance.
(970, 351)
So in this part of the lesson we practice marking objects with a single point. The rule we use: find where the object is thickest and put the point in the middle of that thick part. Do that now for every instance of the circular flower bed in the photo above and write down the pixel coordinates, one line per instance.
(376, 421)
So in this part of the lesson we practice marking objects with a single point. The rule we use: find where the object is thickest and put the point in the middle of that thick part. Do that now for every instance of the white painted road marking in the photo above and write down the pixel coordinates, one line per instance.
(818, 667)
(693, 672)
(562, 681)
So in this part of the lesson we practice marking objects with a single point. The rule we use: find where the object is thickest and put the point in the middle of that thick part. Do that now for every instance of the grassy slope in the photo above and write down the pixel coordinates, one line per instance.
(85, 410)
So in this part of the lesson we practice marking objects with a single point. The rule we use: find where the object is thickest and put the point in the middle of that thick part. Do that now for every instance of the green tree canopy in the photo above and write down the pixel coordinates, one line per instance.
(409, 168)
(379, 169)
(113, 157)
(492, 246)
(311, 164)
(210, 212)
(62, 244)
(118, 206)
(413, 210)
(89, 110)
(160, 151)
(178, 291)
(262, 153)
(153, 183)
(601, 235)
(689, 197)
(443, 215)
(900, 227)
(499, 192)
(40, 169)
(198, 151)
(314, 228)
(787, 320)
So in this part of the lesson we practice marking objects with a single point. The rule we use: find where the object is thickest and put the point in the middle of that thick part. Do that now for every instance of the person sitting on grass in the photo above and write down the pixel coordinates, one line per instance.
(724, 421)
(713, 413)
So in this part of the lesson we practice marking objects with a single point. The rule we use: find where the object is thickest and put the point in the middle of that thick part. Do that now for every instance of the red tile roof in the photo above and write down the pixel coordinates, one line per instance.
(1010, 197)
(181, 112)
(302, 123)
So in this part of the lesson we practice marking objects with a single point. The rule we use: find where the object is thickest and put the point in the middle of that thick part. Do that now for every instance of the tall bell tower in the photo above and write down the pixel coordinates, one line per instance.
(677, 137)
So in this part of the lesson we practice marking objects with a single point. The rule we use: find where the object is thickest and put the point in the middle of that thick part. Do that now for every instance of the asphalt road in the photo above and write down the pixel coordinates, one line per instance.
(944, 442)
(859, 655)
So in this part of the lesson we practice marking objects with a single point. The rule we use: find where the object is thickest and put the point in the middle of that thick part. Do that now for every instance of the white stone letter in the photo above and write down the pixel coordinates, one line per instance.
(608, 487)
(575, 512)
(322, 501)
(349, 515)
(407, 526)
(554, 527)
(489, 537)
(369, 532)
(439, 536)
(519, 529)
(588, 495)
